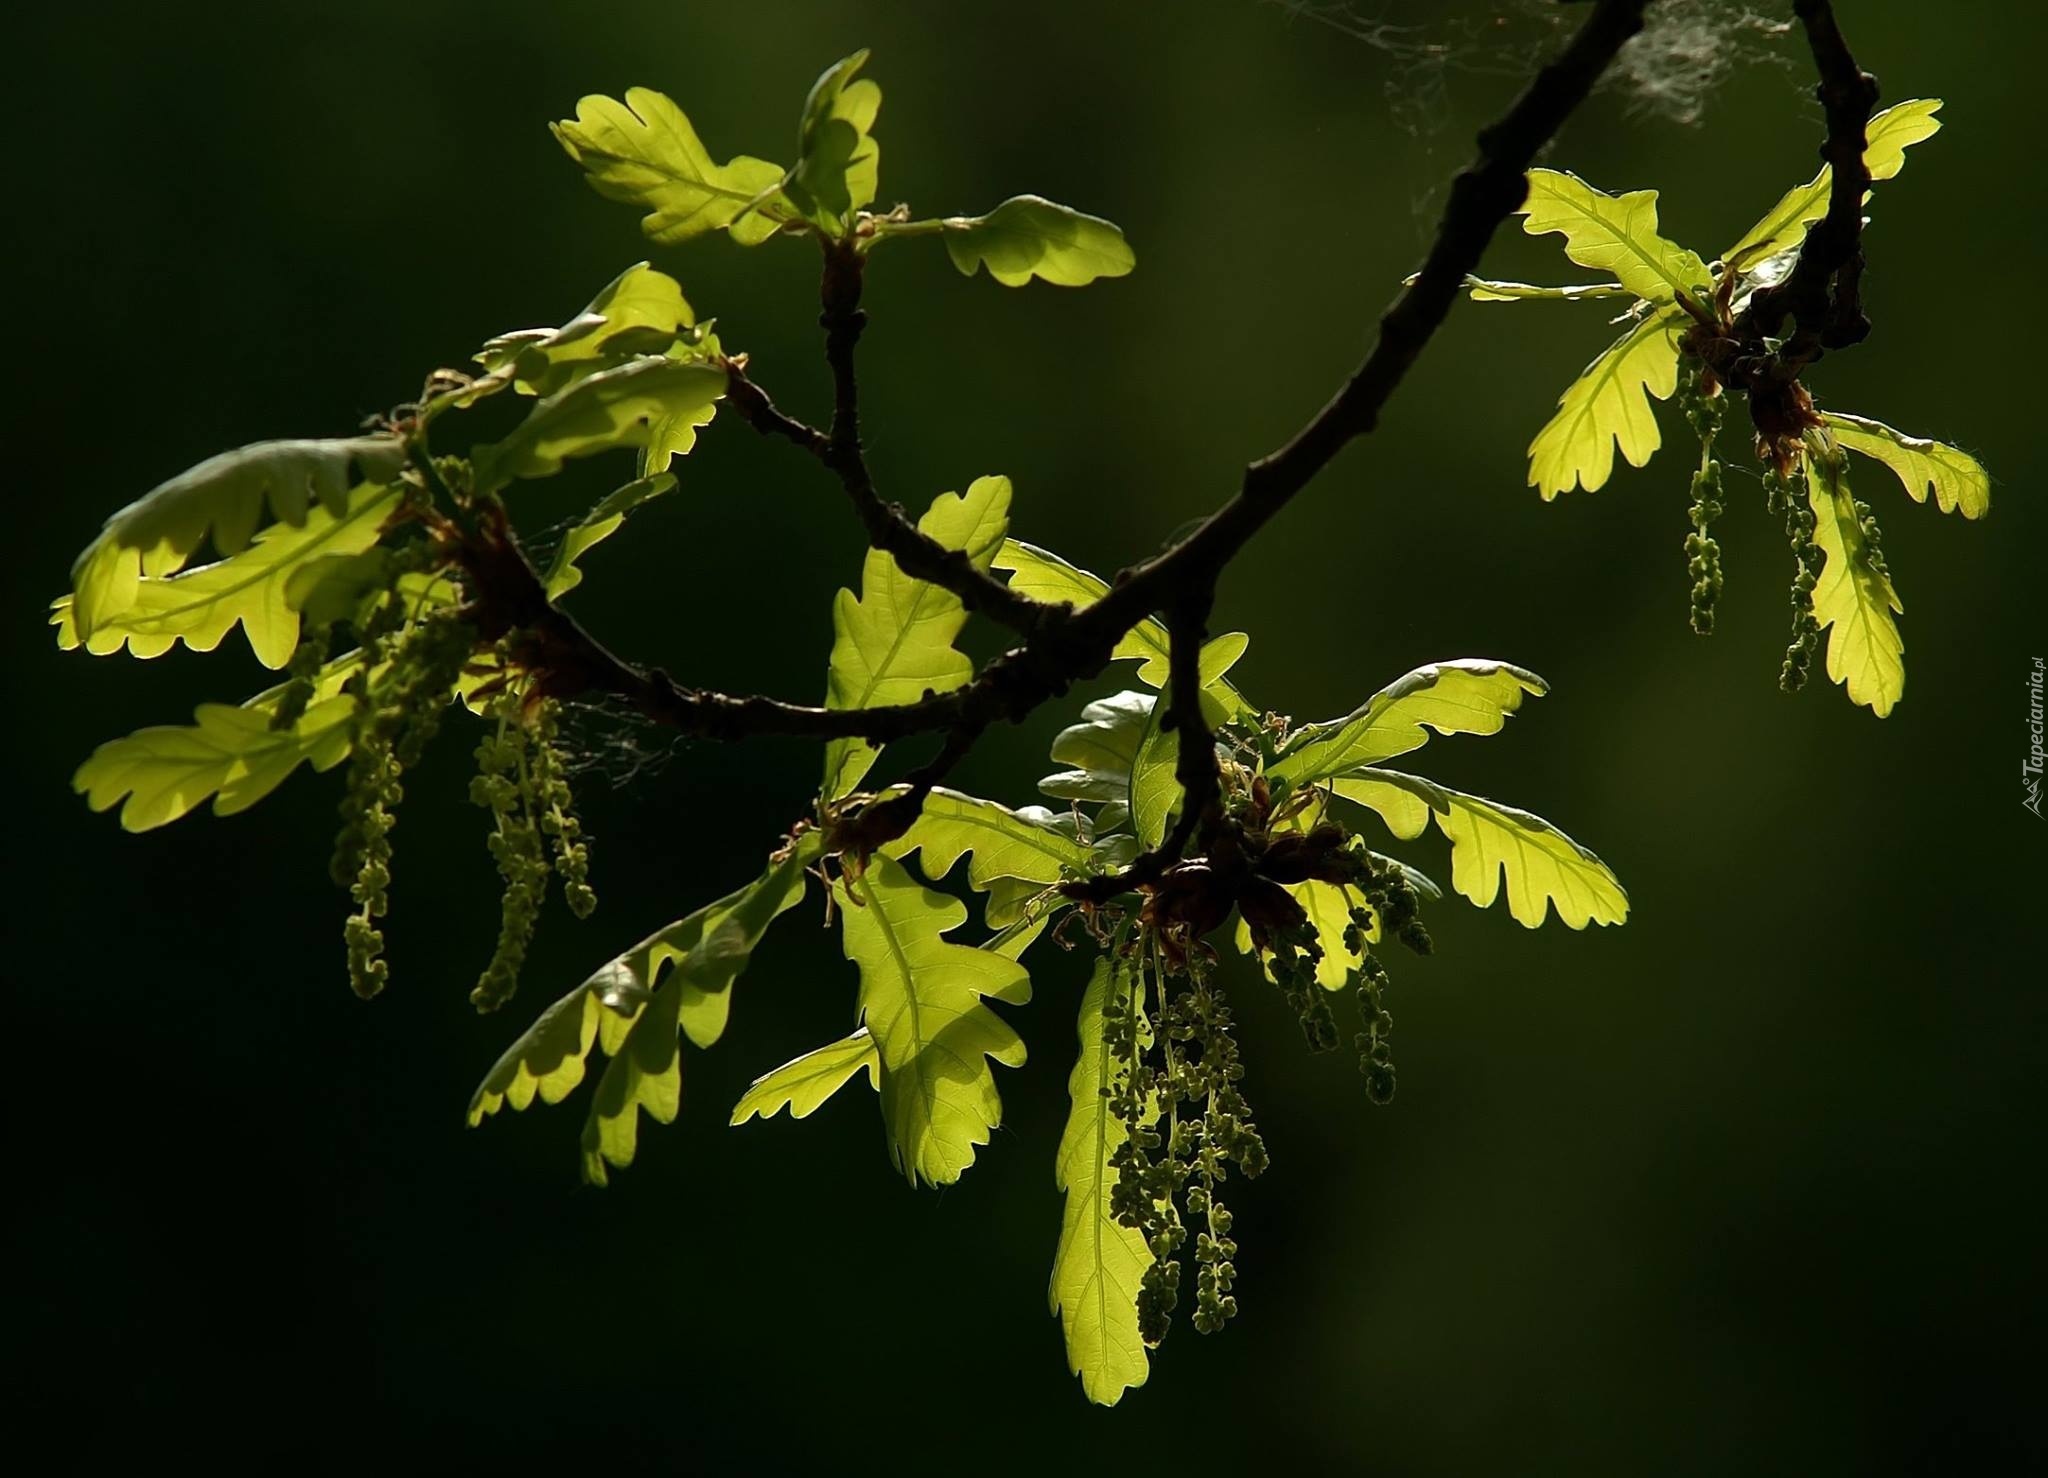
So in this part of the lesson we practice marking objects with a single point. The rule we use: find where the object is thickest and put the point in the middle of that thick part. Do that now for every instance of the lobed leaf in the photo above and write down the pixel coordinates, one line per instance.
(803, 1084)
(1043, 575)
(1853, 600)
(1000, 842)
(639, 312)
(564, 574)
(1885, 141)
(922, 999)
(1027, 236)
(227, 497)
(252, 589)
(1489, 841)
(1100, 1264)
(838, 162)
(1470, 695)
(1608, 406)
(1612, 233)
(644, 152)
(231, 755)
(1484, 290)
(1957, 479)
(634, 1005)
(1102, 749)
(655, 404)
(894, 642)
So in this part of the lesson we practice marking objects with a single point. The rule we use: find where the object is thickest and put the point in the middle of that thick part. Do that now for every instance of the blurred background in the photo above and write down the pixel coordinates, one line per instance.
(1750, 1184)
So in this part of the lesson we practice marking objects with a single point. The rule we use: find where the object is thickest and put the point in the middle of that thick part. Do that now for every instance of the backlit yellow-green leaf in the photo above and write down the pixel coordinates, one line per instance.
(1485, 290)
(1043, 575)
(201, 606)
(1154, 785)
(923, 1000)
(1616, 234)
(1958, 480)
(803, 1085)
(634, 1005)
(656, 404)
(1100, 1264)
(1885, 141)
(838, 161)
(1003, 843)
(644, 152)
(1608, 406)
(1489, 841)
(1470, 695)
(564, 574)
(639, 312)
(894, 642)
(1027, 237)
(1854, 601)
(230, 754)
(228, 497)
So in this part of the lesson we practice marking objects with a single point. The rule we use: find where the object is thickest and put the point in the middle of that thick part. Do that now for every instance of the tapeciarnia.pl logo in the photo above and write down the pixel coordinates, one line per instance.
(2030, 772)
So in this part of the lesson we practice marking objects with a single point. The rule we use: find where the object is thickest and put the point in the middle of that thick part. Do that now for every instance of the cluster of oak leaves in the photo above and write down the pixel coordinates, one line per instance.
(323, 539)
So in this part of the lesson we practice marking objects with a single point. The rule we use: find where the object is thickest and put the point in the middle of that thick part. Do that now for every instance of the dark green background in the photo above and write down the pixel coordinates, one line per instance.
(1750, 1184)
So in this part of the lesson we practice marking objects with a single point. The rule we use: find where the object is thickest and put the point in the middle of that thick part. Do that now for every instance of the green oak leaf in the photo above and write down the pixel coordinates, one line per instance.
(1027, 237)
(1154, 792)
(251, 589)
(1608, 406)
(231, 754)
(838, 161)
(1885, 141)
(655, 404)
(1616, 234)
(1100, 750)
(1542, 866)
(1957, 479)
(893, 642)
(923, 1000)
(999, 842)
(1854, 601)
(701, 956)
(1043, 575)
(1487, 290)
(1471, 695)
(644, 152)
(639, 312)
(226, 496)
(803, 1084)
(1100, 1264)
(564, 574)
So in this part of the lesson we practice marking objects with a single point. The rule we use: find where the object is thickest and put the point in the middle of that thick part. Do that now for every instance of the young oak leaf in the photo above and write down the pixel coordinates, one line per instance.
(1957, 479)
(1609, 406)
(1612, 233)
(252, 589)
(1154, 792)
(1043, 575)
(1885, 141)
(1028, 236)
(564, 574)
(894, 641)
(924, 1002)
(1470, 695)
(1542, 867)
(802, 1084)
(226, 496)
(1853, 600)
(1099, 1264)
(633, 1006)
(655, 404)
(999, 842)
(644, 152)
(838, 164)
(639, 312)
